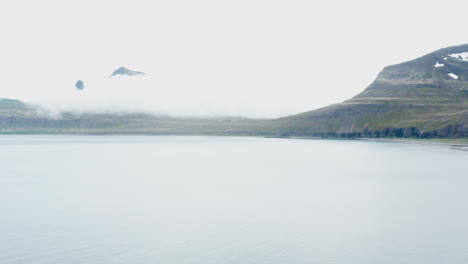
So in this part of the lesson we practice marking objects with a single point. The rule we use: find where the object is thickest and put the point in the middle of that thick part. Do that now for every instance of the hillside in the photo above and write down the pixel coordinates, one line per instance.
(17, 117)
(426, 97)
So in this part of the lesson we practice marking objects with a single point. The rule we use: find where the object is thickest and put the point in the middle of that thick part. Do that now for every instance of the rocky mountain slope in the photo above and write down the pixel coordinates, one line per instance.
(426, 97)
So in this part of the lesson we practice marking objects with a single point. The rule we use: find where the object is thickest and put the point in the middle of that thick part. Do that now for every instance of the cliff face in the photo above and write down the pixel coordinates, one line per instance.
(426, 97)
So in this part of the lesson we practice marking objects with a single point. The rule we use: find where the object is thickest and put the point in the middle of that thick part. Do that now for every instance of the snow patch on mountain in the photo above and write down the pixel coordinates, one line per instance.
(454, 76)
(460, 56)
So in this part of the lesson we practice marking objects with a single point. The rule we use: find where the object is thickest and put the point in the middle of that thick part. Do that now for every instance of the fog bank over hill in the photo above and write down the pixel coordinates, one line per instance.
(120, 94)
(156, 92)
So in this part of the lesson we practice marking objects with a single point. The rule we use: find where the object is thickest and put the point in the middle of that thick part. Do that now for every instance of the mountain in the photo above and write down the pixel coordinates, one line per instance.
(424, 98)
(11, 104)
(79, 85)
(127, 72)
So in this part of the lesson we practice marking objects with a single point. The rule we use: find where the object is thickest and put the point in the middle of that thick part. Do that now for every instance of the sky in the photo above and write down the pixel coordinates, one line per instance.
(249, 58)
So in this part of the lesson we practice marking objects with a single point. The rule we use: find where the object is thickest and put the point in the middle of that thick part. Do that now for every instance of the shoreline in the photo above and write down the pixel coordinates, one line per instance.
(455, 144)
(460, 144)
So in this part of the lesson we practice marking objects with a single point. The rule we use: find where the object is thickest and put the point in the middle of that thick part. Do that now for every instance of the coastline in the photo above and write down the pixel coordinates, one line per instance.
(460, 144)
(455, 144)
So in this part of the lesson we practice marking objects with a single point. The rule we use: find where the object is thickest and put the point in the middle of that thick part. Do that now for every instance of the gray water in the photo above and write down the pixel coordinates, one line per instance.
(223, 200)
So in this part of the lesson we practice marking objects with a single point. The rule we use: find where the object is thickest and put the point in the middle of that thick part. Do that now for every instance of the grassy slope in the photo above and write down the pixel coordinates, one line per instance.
(27, 120)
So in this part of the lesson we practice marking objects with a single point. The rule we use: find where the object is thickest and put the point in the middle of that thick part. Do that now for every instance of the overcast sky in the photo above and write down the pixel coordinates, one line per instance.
(253, 58)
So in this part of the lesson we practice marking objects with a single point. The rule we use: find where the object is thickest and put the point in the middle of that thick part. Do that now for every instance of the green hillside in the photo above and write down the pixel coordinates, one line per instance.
(419, 98)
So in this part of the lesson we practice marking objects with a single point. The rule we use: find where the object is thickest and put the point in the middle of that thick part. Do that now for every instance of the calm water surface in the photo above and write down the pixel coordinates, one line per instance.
(223, 200)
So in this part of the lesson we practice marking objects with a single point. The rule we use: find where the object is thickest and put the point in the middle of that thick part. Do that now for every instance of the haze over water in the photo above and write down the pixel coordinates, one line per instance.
(224, 200)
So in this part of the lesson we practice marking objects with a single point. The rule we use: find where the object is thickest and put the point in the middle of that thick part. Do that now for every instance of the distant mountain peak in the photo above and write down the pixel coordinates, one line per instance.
(447, 64)
(79, 85)
(6, 103)
(127, 72)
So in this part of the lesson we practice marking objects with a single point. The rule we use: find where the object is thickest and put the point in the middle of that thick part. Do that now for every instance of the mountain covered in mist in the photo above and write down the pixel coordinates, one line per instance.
(79, 85)
(126, 72)
(426, 97)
